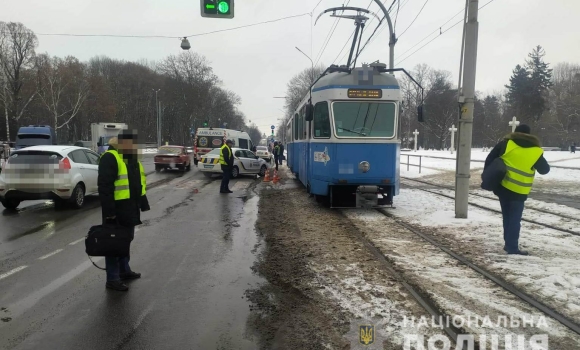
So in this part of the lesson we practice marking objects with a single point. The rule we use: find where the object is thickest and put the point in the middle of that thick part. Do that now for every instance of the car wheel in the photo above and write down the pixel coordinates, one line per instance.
(10, 204)
(208, 175)
(77, 198)
(157, 168)
(235, 172)
(263, 170)
(188, 168)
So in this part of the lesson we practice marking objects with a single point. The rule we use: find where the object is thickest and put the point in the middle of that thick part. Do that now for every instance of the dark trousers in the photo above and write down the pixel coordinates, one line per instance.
(276, 161)
(512, 215)
(225, 186)
(117, 265)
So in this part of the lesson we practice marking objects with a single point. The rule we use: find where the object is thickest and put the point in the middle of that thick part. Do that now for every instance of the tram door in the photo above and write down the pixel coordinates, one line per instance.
(304, 147)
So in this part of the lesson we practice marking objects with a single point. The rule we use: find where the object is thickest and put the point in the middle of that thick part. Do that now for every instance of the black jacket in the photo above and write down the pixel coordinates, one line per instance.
(522, 140)
(228, 157)
(127, 211)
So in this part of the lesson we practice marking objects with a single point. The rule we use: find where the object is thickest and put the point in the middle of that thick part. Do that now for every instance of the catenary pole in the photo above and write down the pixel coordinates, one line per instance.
(467, 102)
(392, 38)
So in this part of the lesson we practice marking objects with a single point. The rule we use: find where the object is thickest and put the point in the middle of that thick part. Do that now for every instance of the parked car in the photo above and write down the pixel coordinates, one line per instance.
(262, 152)
(85, 144)
(172, 157)
(245, 163)
(35, 135)
(65, 174)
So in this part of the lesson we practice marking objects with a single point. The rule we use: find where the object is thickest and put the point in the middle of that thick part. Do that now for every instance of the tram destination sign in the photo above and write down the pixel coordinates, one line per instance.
(365, 93)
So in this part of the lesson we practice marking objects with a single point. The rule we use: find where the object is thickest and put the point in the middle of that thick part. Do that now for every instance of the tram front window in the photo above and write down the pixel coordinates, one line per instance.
(364, 119)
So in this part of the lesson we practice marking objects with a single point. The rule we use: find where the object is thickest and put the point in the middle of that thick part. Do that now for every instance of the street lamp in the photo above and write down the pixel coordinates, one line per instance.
(158, 119)
(312, 67)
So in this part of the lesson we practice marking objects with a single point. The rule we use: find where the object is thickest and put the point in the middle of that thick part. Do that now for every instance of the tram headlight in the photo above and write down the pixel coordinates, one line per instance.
(364, 166)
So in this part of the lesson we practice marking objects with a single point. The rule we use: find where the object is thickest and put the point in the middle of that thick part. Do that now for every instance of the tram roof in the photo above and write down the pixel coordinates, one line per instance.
(359, 78)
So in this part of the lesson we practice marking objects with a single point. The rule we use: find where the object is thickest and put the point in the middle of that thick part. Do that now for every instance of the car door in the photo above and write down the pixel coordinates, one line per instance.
(84, 168)
(244, 161)
(254, 161)
(94, 167)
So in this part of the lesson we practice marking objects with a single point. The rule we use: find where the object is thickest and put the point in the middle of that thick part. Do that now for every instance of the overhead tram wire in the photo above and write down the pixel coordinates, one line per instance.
(441, 33)
(319, 56)
(421, 10)
(170, 37)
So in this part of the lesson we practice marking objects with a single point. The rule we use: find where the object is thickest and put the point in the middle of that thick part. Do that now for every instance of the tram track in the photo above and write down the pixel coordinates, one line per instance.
(531, 221)
(497, 280)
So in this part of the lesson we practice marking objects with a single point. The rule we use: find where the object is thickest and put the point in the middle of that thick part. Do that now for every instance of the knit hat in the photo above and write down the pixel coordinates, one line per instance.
(523, 128)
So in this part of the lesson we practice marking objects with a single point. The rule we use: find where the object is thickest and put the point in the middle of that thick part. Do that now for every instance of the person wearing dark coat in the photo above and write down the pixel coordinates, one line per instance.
(227, 165)
(522, 155)
(123, 212)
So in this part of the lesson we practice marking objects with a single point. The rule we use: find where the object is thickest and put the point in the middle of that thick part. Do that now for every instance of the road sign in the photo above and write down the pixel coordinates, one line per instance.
(273, 127)
(217, 8)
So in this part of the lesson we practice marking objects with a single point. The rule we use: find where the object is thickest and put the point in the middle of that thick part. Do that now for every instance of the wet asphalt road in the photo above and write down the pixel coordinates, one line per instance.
(194, 250)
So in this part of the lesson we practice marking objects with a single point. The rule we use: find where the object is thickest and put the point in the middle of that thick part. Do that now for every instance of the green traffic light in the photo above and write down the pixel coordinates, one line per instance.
(223, 7)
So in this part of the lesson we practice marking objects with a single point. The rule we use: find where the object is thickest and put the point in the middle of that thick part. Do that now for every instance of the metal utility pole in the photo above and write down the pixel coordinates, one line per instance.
(158, 121)
(467, 102)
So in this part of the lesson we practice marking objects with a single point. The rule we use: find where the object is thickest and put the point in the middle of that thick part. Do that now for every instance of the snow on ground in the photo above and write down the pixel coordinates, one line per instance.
(551, 273)
(557, 181)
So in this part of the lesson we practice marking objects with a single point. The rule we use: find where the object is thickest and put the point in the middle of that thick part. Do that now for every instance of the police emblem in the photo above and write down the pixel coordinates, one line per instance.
(203, 141)
(367, 333)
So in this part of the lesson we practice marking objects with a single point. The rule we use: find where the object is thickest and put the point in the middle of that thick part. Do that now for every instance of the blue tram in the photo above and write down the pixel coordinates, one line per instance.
(343, 142)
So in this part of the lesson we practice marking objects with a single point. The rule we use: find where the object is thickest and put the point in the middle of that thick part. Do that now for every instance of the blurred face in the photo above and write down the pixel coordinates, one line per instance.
(128, 146)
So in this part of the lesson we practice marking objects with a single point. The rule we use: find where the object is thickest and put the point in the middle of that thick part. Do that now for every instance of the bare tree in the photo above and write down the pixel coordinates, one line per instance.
(17, 45)
(62, 87)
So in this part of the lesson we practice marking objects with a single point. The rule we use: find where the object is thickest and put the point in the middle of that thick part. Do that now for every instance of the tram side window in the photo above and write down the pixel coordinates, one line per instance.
(321, 120)
(295, 124)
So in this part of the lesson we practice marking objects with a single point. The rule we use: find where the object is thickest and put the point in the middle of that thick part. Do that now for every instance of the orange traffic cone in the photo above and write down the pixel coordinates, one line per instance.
(267, 178)
(276, 178)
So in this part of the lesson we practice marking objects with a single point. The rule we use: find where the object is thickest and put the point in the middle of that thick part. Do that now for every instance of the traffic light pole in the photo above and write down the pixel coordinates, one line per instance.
(467, 102)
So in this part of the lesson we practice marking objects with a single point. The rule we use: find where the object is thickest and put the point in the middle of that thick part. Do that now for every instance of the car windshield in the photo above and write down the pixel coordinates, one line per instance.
(364, 119)
(215, 151)
(169, 150)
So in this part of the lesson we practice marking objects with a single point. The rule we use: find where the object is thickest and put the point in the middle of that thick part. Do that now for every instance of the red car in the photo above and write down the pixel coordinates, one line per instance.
(172, 157)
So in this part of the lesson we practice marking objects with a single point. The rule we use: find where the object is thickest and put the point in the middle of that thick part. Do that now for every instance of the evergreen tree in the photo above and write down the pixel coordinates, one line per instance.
(540, 81)
(519, 95)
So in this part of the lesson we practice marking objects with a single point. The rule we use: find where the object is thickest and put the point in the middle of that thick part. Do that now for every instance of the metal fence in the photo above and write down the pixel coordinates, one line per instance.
(408, 164)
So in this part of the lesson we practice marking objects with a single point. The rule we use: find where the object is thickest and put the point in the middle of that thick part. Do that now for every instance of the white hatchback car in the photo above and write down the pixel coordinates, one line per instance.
(245, 162)
(65, 174)
(262, 152)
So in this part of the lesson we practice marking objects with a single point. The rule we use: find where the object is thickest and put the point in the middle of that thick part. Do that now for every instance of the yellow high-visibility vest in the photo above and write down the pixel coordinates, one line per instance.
(519, 163)
(222, 158)
(122, 181)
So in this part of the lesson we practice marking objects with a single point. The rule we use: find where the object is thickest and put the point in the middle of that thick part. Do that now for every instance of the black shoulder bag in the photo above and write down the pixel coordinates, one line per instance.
(493, 175)
(108, 240)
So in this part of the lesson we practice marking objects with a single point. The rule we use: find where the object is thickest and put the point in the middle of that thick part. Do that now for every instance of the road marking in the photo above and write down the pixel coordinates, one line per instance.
(11, 272)
(50, 254)
(77, 241)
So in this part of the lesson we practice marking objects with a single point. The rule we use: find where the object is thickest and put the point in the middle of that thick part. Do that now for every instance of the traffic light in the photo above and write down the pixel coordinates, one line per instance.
(205, 124)
(217, 8)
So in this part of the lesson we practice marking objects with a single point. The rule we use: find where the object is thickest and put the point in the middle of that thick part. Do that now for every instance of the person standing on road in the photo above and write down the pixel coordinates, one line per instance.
(522, 155)
(276, 154)
(227, 163)
(281, 155)
(122, 191)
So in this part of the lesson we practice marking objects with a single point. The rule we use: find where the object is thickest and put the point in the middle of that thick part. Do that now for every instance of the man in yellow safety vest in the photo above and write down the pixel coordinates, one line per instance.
(522, 155)
(227, 164)
(122, 191)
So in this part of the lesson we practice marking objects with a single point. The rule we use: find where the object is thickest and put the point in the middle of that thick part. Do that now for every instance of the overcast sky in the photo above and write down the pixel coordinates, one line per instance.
(257, 62)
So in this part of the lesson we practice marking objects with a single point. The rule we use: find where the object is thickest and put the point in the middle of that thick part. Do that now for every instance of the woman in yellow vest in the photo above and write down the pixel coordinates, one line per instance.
(522, 155)
(122, 191)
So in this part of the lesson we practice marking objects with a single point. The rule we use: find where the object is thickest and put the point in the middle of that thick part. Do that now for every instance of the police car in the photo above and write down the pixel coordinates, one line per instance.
(245, 163)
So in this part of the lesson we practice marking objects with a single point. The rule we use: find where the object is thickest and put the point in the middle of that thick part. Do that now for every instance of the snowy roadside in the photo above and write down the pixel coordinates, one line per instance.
(457, 289)
(551, 273)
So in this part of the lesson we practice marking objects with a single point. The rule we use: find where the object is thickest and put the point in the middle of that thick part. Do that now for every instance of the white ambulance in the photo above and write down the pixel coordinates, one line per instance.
(207, 139)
